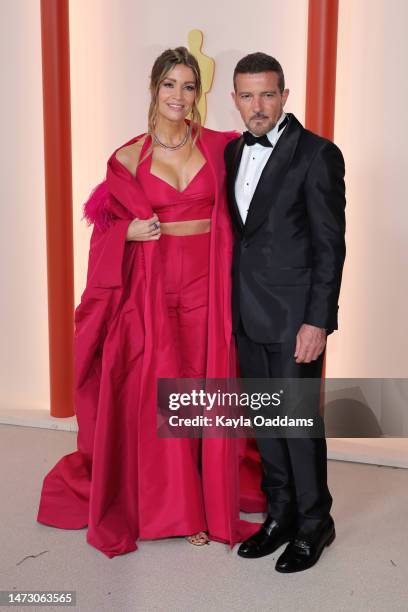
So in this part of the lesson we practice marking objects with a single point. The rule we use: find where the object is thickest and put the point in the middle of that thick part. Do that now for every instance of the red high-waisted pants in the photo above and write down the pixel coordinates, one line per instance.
(186, 266)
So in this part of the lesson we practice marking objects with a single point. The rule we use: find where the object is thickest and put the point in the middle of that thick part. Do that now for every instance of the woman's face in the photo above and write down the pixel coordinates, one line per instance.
(177, 93)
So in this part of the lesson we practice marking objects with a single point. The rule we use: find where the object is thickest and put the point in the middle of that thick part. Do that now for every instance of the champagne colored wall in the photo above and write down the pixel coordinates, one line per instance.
(113, 46)
(371, 128)
(23, 280)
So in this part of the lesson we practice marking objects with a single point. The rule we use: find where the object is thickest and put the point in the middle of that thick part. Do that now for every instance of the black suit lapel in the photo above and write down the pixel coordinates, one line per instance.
(234, 163)
(272, 176)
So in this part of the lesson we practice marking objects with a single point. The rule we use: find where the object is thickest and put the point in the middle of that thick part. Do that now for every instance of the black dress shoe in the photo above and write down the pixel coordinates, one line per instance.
(304, 551)
(268, 539)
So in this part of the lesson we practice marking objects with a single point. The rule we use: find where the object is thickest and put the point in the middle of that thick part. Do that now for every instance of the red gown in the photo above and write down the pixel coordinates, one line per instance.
(134, 324)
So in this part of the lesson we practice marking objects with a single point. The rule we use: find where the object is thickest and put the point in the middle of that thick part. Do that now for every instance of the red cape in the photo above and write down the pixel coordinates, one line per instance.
(122, 345)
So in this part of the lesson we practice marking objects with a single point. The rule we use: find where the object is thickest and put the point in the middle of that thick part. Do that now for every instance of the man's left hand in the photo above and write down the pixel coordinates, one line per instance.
(310, 343)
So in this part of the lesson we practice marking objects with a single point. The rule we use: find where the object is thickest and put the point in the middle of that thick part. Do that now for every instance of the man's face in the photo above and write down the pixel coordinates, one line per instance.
(259, 100)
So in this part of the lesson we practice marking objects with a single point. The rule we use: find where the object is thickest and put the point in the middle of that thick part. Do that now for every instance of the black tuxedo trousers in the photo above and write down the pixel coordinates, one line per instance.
(294, 469)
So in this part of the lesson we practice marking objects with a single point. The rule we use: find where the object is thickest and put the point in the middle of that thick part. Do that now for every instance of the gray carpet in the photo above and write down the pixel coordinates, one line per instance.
(365, 569)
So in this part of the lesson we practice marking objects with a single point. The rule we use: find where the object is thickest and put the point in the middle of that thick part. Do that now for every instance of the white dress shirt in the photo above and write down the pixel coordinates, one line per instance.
(253, 161)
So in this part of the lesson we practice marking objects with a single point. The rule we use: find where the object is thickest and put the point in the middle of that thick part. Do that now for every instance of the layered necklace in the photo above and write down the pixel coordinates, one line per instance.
(173, 148)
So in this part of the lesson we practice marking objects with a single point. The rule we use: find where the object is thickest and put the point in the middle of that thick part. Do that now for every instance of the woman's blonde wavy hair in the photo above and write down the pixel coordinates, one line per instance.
(161, 67)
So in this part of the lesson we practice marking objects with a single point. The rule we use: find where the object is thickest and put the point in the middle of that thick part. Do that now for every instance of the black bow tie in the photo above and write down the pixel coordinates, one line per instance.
(250, 139)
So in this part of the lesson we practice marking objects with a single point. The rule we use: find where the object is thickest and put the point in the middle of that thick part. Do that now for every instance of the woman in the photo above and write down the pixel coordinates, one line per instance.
(156, 305)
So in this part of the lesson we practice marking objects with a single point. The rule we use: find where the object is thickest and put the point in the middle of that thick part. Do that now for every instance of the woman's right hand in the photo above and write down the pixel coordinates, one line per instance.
(141, 230)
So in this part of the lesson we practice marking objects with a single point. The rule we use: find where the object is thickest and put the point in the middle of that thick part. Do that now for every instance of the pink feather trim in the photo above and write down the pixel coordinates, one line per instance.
(96, 208)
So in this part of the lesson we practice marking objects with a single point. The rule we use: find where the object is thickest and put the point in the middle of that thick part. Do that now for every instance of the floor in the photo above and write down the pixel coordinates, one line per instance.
(365, 569)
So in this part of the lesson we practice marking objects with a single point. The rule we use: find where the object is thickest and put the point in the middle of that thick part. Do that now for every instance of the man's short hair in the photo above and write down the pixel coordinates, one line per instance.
(260, 62)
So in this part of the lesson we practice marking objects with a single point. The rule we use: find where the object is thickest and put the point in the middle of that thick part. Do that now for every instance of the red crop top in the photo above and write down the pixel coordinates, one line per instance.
(195, 202)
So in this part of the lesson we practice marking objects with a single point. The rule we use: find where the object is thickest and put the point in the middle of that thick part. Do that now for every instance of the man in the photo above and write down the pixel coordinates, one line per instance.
(287, 200)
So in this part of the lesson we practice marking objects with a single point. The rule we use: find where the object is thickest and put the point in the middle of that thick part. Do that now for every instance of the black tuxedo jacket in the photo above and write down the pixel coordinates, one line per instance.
(289, 254)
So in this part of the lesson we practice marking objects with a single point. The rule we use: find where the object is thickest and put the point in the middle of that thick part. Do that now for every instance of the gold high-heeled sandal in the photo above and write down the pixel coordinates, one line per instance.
(198, 539)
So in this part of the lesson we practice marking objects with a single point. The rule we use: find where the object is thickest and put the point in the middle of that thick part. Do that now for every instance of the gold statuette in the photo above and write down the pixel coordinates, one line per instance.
(207, 67)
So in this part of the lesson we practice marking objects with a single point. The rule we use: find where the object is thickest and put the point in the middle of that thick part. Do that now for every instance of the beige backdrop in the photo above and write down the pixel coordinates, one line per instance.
(113, 45)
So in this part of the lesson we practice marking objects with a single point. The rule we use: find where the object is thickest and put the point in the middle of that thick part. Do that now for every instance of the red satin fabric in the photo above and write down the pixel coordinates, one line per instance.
(123, 482)
(196, 201)
(185, 262)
